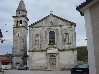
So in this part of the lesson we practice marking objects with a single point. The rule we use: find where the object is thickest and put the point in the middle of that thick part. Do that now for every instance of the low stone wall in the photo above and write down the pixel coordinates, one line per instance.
(8, 66)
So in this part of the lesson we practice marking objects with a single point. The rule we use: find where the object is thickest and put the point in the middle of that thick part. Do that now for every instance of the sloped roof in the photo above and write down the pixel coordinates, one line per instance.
(4, 58)
(53, 16)
(82, 5)
(21, 6)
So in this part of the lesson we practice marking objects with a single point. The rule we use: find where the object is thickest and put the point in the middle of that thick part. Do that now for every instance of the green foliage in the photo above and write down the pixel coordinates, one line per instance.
(1, 71)
(82, 54)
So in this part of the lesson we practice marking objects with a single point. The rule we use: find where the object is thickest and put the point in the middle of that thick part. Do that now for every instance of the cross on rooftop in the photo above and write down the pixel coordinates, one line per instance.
(51, 12)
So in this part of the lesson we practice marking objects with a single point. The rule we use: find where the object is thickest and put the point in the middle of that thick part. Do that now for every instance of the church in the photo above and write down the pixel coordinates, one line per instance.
(52, 42)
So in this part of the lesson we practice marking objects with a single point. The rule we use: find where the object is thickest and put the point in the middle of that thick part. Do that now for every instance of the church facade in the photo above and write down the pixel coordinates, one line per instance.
(52, 41)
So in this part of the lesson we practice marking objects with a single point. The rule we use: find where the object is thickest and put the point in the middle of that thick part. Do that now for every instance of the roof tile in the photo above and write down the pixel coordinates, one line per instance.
(82, 5)
(5, 59)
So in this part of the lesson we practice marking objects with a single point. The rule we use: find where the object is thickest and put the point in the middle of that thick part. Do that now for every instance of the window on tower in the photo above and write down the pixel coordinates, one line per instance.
(17, 23)
(18, 34)
(20, 22)
(51, 37)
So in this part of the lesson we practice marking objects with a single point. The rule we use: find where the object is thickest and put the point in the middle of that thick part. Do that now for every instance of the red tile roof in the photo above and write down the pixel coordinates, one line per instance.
(5, 59)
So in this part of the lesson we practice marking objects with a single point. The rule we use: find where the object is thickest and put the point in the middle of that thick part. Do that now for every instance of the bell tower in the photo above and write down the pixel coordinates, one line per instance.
(20, 30)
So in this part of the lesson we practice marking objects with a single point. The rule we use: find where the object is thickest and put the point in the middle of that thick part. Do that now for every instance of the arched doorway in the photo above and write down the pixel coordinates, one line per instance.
(52, 58)
(52, 61)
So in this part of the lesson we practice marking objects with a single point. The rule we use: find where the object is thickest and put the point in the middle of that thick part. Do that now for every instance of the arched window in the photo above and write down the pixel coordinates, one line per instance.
(17, 23)
(51, 23)
(36, 39)
(51, 37)
(20, 22)
(66, 37)
(18, 34)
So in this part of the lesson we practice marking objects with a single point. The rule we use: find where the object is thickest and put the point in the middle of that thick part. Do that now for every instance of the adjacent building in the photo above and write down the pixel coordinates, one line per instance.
(6, 60)
(90, 11)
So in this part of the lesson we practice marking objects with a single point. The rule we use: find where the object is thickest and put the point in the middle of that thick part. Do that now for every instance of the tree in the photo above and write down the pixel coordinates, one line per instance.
(82, 54)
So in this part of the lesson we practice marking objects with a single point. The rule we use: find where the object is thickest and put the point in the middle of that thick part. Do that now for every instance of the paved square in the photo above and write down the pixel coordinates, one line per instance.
(35, 72)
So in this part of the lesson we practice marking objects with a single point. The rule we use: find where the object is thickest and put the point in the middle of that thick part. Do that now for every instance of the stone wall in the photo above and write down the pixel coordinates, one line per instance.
(37, 60)
(19, 48)
(59, 27)
(67, 59)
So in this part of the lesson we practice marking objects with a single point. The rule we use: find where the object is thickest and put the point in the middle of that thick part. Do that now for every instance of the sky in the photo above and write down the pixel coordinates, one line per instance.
(37, 9)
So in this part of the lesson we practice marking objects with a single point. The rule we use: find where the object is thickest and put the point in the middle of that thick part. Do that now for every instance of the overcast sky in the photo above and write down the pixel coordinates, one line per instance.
(37, 9)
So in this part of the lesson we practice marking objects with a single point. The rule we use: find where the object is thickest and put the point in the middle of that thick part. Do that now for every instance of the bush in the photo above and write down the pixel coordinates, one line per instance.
(1, 71)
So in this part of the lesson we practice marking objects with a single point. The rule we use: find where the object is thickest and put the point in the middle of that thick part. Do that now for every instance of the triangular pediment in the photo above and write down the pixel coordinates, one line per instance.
(52, 20)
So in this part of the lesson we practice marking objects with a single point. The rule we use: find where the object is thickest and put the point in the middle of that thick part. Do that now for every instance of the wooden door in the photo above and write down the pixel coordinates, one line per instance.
(52, 63)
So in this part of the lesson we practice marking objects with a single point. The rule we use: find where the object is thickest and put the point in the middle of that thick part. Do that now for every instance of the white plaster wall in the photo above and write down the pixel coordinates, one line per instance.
(90, 46)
